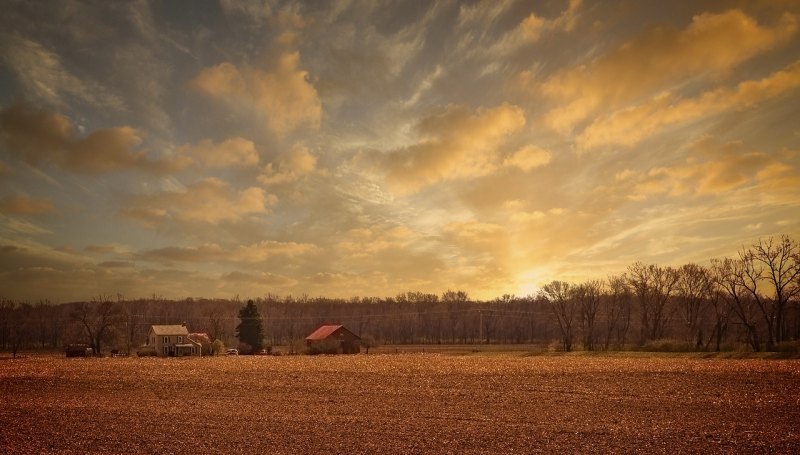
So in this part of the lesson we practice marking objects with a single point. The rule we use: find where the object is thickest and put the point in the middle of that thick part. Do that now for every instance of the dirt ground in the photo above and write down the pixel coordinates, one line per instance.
(405, 403)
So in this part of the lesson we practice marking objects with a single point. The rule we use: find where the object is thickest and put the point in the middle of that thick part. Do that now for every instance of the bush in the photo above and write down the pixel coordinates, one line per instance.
(668, 346)
(789, 347)
(217, 347)
(147, 351)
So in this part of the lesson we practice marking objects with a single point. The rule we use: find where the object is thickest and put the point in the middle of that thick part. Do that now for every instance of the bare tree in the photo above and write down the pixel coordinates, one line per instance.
(559, 295)
(730, 276)
(6, 309)
(216, 323)
(19, 330)
(456, 302)
(721, 313)
(653, 286)
(588, 297)
(98, 319)
(780, 268)
(694, 289)
(618, 312)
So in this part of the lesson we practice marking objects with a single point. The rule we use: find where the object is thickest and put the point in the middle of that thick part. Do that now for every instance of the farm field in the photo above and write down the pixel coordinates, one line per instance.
(399, 403)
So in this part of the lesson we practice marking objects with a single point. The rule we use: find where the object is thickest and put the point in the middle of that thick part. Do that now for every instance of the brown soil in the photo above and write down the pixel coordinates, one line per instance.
(407, 403)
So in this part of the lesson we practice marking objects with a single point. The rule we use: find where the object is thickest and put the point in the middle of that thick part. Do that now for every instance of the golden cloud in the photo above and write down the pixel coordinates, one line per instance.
(38, 137)
(529, 30)
(266, 249)
(258, 279)
(233, 152)
(284, 97)
(659, 59)
(717, 168)
(365, 242)
(483, 245)
(631, 125)
(298, 162)
(209, 201)
(528, 158)
(454, 143)
(212, 252)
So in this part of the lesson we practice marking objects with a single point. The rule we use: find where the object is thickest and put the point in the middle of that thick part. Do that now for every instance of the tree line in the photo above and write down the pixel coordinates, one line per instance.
(748, 301)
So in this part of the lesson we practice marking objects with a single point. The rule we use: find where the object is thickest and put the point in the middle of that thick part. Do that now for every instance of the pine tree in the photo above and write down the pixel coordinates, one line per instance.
(249, 331)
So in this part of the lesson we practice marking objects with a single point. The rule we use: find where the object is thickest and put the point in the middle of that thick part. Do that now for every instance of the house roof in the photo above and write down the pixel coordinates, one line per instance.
(167, 330)
(324, 331)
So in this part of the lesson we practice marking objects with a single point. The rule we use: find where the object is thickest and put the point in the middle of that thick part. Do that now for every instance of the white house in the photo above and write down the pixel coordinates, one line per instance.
(172, 340)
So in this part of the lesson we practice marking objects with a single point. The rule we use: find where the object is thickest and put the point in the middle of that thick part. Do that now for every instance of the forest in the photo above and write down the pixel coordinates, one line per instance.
(747, 302)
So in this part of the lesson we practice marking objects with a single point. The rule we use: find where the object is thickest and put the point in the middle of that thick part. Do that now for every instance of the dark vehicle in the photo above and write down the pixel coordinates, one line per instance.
(78, 350)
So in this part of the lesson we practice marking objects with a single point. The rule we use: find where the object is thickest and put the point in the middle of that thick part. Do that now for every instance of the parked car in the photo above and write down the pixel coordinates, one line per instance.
(232, 352)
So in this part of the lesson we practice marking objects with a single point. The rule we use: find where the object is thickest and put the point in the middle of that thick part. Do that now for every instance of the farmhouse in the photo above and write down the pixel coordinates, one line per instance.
(334, 336)
(173, 341)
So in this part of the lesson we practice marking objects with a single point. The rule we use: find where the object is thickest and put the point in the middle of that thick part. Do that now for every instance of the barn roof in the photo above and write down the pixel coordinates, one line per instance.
(166, 330)
(324, 331)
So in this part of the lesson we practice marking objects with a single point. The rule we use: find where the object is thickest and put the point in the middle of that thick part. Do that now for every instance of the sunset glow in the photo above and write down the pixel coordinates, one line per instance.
(368, 148)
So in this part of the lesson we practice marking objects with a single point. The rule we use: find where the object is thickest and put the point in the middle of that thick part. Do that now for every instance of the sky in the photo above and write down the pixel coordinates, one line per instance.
(368, 148)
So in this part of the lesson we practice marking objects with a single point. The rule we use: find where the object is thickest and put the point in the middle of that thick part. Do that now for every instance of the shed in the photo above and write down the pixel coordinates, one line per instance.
(334, 336)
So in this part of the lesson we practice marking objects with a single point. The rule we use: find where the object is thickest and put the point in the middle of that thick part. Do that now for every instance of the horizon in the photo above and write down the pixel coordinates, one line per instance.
(354, 149)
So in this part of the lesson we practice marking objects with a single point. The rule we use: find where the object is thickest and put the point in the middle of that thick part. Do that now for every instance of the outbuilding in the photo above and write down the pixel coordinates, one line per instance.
(333, 338)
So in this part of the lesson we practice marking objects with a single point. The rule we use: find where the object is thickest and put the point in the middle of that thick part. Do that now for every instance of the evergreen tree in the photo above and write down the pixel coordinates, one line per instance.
(249, 331)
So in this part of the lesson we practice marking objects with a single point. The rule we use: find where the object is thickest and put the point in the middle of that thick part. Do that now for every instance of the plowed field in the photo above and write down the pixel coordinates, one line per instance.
(407, 403)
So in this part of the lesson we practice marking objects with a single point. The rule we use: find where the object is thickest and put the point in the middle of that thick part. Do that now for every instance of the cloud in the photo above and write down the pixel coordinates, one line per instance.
(43, 76)
(259, 279)
(476, 21)
(24, 205)
(38, 136)
(247, 254)
(204, 253)
(284, 97)
(713, 169)
(367, 241)
(453, 143)
(233, 152)
(532, 27)
(211, 201)
(295, 164)
(631, 125)
(267, 249)
(117, 264)
(535, 216)
(528, 158)
(660, 59)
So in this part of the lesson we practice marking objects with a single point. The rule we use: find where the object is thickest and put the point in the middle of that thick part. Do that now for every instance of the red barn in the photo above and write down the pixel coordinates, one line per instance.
(329, 339)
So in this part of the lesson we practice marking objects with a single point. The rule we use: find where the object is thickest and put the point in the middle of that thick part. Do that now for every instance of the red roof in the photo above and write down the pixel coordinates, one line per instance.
(201, 337)
(324, 331)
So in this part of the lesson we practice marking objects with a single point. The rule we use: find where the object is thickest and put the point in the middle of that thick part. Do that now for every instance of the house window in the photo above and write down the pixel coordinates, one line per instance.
(165, 350)
(180, 340)
(166, 340)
